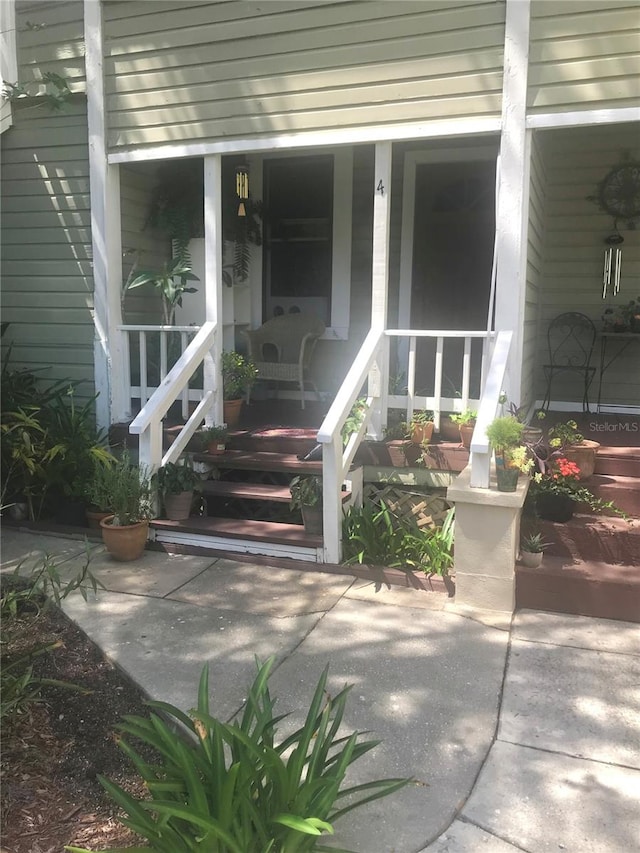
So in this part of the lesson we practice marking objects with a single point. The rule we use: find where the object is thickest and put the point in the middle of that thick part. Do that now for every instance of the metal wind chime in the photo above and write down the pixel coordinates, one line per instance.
(612, 269)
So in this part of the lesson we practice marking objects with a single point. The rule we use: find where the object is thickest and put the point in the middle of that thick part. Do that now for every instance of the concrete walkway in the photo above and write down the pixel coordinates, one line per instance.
(521, 736)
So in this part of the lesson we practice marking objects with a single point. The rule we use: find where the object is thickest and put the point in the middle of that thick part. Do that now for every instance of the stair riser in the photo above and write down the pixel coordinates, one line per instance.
(297, 446)
(536, 590)
(626, 499)
(618, 466)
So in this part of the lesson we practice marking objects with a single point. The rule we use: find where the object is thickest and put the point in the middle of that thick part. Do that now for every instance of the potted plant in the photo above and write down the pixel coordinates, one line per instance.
(171, 281)
(565, 439)
(176, 484)
(505, 435)
(622, 318)
(98, 495)
(532, 550)
(238, 375)
(128, 492)
(398, 444)
(421, 427)
(214, 438)
(306, 495)
(466, 422)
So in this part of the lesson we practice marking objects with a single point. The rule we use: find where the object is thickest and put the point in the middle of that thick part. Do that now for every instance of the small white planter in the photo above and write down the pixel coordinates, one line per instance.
(531, 560)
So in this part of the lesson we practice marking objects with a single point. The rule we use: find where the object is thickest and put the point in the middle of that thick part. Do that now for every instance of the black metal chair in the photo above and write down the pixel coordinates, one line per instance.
(571, 338)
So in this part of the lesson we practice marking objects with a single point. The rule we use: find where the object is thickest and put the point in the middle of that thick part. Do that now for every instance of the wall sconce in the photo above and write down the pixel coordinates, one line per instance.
(242, 188)
(612, 265)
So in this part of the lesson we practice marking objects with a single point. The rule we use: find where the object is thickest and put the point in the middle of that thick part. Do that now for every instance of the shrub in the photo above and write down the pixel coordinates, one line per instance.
(234, 787)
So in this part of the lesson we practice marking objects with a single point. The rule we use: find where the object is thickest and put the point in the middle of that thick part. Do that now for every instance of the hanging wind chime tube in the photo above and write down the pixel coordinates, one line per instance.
(612, 265)
(242, 188)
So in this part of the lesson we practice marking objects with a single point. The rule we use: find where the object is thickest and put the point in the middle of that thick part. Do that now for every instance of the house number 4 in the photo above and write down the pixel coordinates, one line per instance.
(380, 187)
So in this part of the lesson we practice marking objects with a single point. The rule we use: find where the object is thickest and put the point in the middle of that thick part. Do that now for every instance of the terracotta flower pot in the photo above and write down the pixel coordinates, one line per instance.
(178, 506)
(95, 516)
(584, 456)
(231, 410)
(448, 429)
(216, 448)
(466, 434)
(422, 433)
(126, 542)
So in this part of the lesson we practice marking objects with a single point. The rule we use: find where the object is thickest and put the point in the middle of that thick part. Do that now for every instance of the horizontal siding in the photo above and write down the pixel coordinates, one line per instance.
(575, 229)
(182, 72)
(47, 285)
(50, 37)
(584, 54)
(535, 245)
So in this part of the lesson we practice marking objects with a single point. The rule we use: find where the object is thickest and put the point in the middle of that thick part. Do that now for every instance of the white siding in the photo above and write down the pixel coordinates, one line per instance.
(47, 285)
(187, 71)
(575, 230)
(585, 54)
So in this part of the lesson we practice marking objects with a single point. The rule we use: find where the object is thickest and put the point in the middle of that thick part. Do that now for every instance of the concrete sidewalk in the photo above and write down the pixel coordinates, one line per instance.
(522, 736)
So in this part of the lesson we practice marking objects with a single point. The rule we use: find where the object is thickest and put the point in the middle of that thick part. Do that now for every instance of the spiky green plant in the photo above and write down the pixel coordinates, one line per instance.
(235, 788)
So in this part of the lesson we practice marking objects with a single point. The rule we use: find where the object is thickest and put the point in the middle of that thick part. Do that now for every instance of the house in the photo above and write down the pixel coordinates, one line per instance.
(434, 165)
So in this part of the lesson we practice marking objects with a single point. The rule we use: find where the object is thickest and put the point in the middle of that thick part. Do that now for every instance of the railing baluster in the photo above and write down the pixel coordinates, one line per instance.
(144, 395)
(437, 382)
(185, 393)
(163, 354)
(126, 354)
(466, 373)
(411, 378)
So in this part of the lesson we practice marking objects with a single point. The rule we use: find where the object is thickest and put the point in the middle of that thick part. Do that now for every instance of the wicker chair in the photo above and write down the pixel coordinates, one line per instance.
(283, 346)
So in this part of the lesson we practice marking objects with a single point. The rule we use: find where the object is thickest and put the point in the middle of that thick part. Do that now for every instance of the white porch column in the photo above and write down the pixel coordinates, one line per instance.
(513, 195)
(378, 377)
(104, 181)
(213, 276)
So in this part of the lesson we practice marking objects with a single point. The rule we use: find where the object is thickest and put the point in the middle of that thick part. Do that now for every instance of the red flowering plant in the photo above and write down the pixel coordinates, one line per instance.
(561, 477)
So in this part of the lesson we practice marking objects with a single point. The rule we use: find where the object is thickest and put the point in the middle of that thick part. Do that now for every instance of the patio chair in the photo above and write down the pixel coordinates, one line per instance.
(570, 337)
(283, 346)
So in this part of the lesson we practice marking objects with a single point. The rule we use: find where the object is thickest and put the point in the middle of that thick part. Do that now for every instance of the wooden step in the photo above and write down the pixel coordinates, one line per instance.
(623, 491)
(252, 491)
(597, 538)
(260, 461)
(268, 538)
(592, 588)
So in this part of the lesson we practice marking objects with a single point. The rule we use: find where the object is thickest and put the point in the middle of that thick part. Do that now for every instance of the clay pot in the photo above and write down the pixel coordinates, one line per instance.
(466, 434)
(95, 516)
(126, 542)
(231, 411)
(216, 448)
(448, 429)
(178, 506)
(584, 456)
(422, 433)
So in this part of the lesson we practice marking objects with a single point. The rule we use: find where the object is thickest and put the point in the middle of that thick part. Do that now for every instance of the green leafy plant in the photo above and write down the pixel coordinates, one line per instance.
(565, 435)
(235, 787)
(505, 433)
(354, 420)
(128, 492)
(622, 318)
(561, 477)
(465, 418)
(56, 93)
(176, 477)
(422, 416)
(171, 281)
(306, 490)
(216, 433)
(238, 375)
(397, 431)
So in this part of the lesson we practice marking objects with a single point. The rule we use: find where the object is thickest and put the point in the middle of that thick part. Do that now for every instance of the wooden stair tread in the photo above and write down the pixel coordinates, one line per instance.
(260, 460)
(251, 491)
(269, 531)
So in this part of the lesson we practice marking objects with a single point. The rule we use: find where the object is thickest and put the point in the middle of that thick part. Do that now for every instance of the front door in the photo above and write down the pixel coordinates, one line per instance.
(453, 238)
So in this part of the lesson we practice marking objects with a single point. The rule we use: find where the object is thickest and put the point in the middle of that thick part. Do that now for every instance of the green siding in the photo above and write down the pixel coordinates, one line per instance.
(184, 72)
(46, 243)
(50, 37)
(584, 54)
(575, 230)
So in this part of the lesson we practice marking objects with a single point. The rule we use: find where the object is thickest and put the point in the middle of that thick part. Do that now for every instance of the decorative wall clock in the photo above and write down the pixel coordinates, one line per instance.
(618, 194)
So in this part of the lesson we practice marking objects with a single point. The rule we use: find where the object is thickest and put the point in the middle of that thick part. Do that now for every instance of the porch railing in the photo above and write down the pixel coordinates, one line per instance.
(153, 350)
(371, 369)
(175, 383)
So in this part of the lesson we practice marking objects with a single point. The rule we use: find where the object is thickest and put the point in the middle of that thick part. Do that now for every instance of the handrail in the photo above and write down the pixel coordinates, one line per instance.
(480, 445)
(148, 423)
(336, 459)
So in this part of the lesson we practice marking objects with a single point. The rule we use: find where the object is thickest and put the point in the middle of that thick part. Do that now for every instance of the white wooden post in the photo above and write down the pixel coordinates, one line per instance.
(513, 195)
(104, 183)
(332, 476)
(379, 378)
(213, 277)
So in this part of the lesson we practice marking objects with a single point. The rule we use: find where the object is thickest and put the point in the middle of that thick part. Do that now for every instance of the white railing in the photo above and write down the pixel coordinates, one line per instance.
(154, 345)
(148, 423)
(480, 447)
(371, 368)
